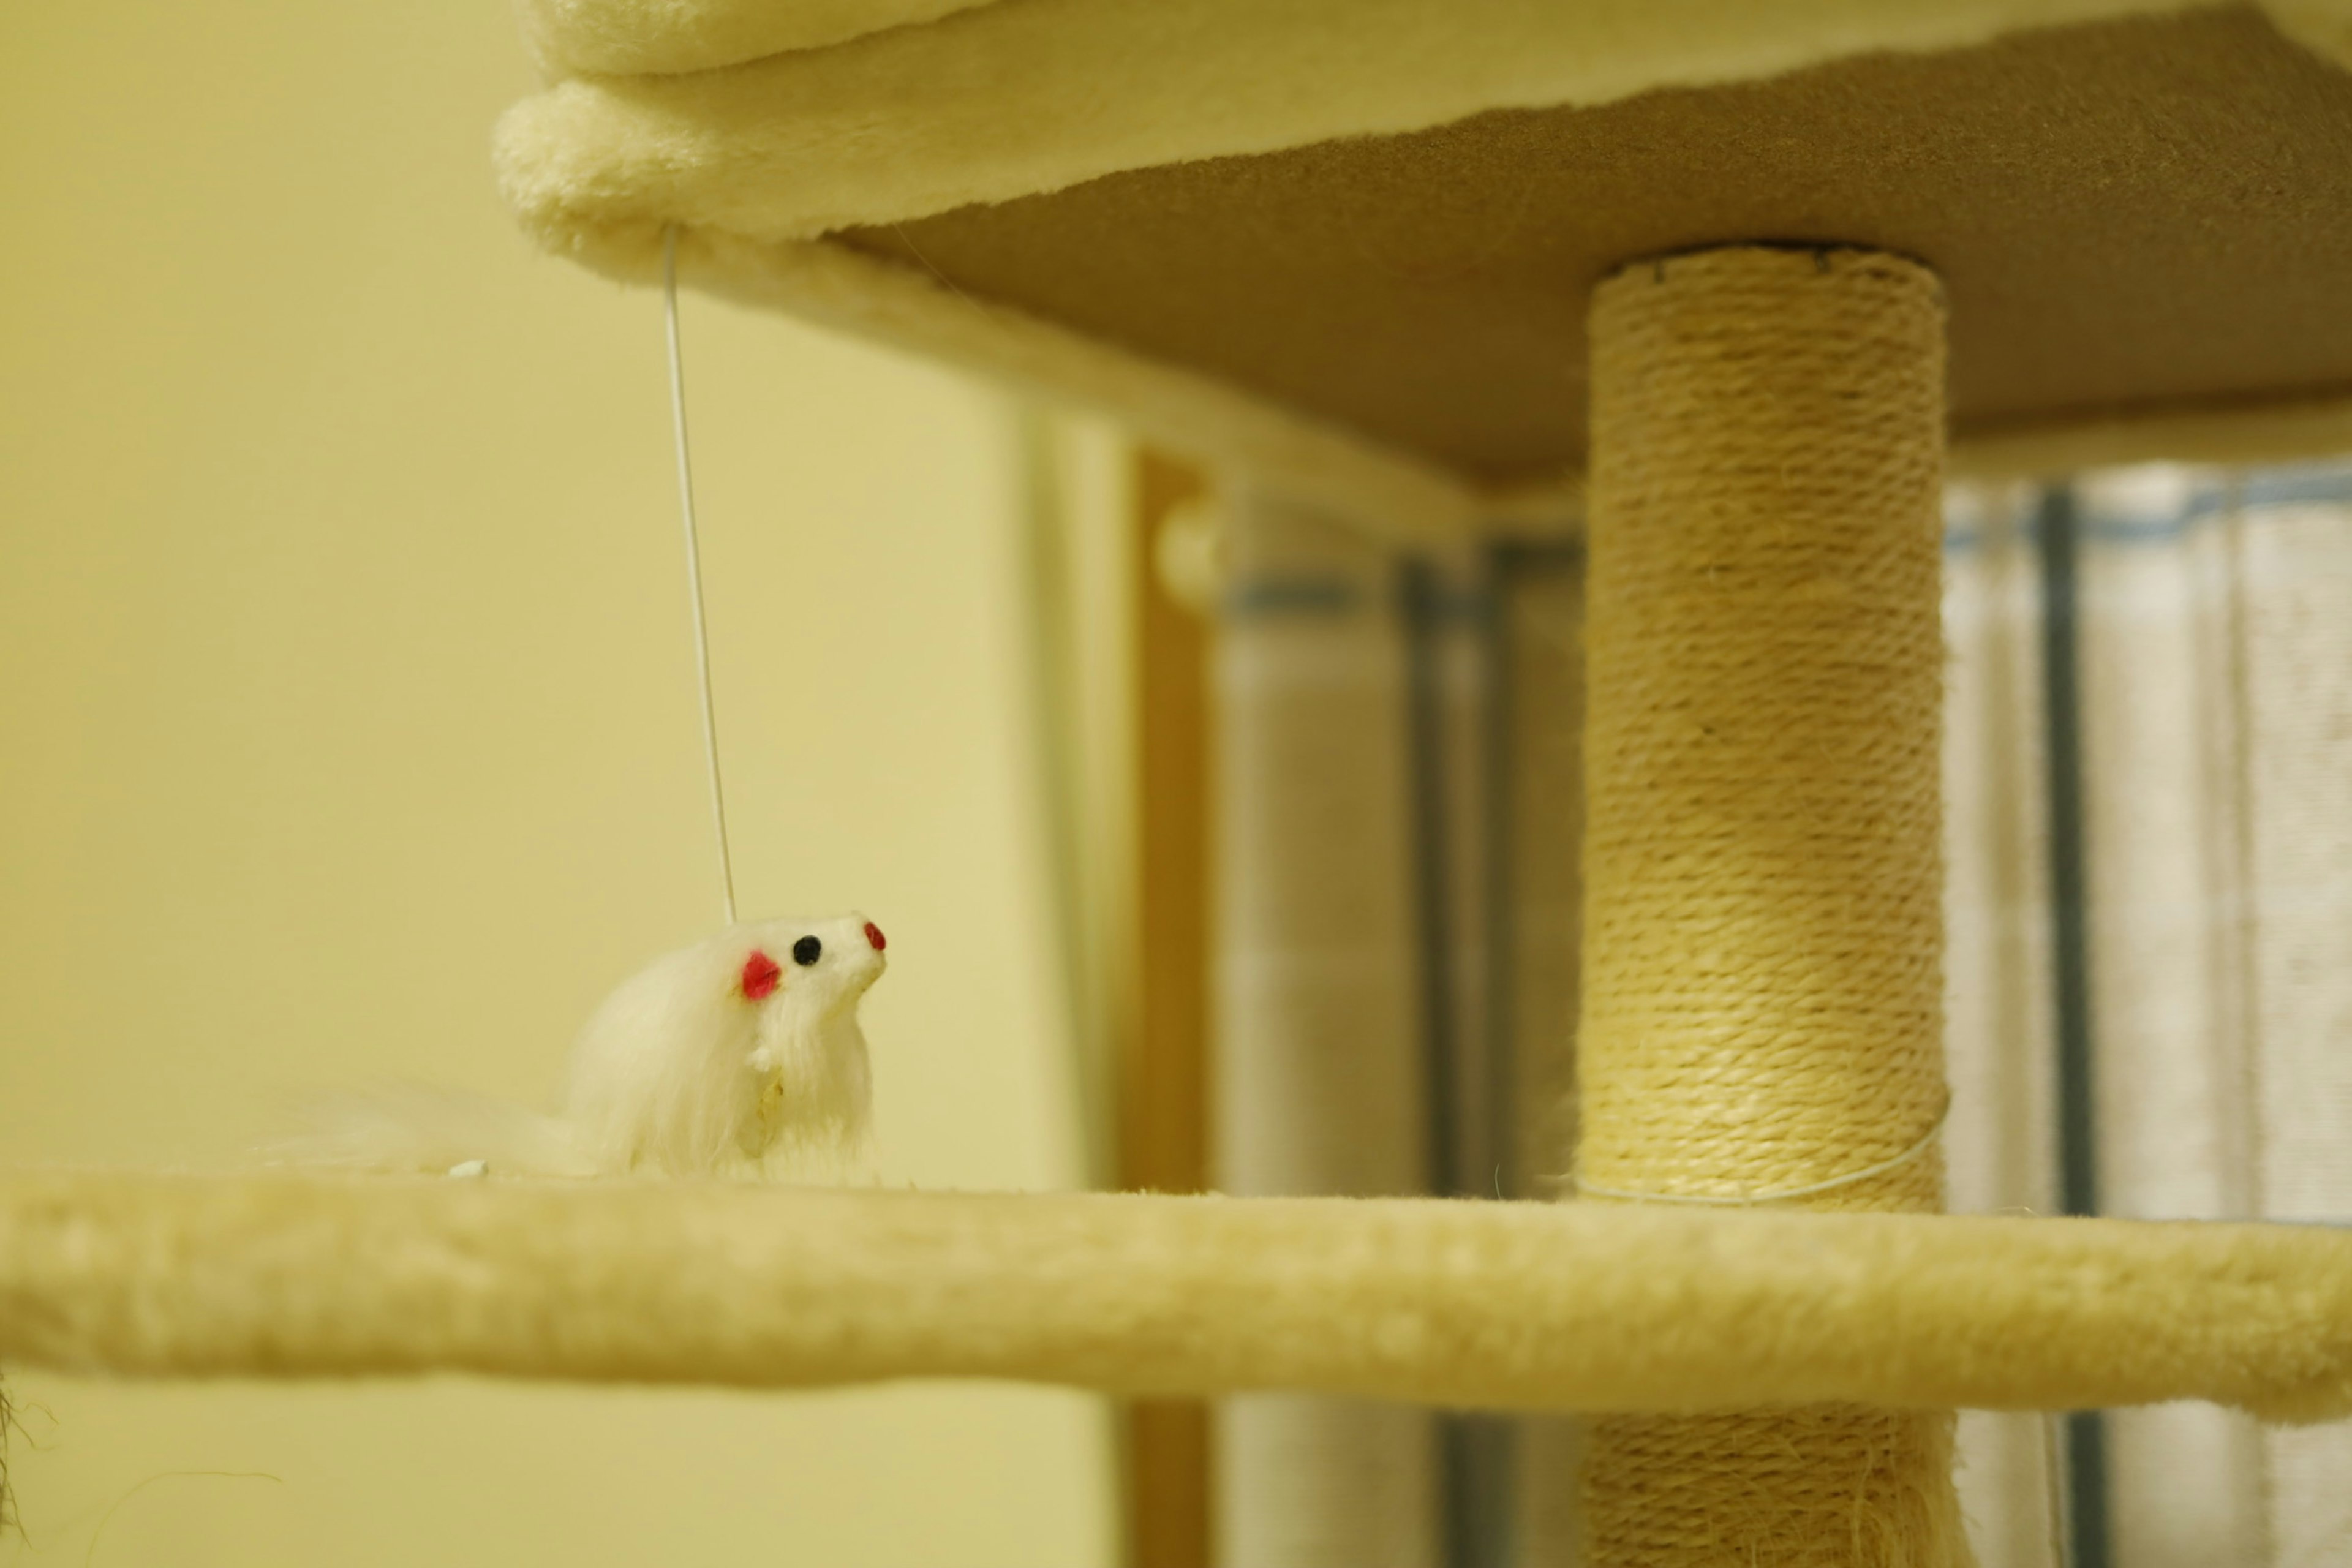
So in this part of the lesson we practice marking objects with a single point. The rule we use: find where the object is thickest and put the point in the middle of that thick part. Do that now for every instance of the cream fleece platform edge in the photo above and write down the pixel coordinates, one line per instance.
(1582, 1307)
(916, 106)
(1025, 97)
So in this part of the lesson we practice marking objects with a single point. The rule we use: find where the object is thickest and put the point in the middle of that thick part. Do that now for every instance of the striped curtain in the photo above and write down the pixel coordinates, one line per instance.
(2151, 682)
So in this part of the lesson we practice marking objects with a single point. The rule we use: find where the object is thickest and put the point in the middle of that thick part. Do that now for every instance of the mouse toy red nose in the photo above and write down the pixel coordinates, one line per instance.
(761, 974)
(874, 936)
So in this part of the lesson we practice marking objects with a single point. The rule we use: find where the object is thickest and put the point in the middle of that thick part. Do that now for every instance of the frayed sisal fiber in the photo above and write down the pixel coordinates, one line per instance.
(1511, 1305)
(1763, 979)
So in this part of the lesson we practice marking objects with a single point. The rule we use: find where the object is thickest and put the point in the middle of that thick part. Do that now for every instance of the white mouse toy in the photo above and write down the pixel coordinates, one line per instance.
(738, 1055)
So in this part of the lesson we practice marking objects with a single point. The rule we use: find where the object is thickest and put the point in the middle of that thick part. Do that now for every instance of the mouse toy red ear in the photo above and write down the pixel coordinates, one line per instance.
(760, 976)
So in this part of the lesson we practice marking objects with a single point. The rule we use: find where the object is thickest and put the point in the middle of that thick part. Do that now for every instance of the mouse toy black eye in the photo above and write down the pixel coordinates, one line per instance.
(806, 951)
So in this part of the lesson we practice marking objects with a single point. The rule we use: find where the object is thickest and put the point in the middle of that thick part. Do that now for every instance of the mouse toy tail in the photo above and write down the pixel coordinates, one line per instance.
(411, 1128)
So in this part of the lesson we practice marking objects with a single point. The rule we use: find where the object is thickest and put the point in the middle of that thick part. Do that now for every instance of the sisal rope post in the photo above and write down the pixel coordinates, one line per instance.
(1762, 1011)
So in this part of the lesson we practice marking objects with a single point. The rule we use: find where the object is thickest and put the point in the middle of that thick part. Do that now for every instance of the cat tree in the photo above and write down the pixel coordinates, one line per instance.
(1392, 260)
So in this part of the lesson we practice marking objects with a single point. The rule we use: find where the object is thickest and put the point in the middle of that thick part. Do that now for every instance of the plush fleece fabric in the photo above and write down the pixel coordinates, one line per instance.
(1029, 95)
(759, 128)
(588, 38)
(1570, 1306)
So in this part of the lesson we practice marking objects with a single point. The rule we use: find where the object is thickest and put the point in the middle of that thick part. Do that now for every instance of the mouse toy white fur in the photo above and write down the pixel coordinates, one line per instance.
(739, 1055)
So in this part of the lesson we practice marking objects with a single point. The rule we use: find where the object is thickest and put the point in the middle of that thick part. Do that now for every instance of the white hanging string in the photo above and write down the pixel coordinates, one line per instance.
(694, 572)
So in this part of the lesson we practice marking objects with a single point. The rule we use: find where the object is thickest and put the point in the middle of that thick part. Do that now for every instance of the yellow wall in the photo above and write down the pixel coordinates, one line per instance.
(347, 732)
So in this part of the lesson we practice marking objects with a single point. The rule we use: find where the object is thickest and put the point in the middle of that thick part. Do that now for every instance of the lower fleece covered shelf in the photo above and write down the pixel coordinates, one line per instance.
(1567, 1306)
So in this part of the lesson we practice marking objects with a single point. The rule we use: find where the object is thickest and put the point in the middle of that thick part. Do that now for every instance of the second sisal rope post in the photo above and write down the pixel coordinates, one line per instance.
(1763, 978)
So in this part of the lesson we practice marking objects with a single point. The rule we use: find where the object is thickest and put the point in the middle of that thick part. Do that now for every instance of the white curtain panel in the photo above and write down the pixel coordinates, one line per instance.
(2214, 642)
(2000, 1141)
(1319, 1071)
(2293, 552)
